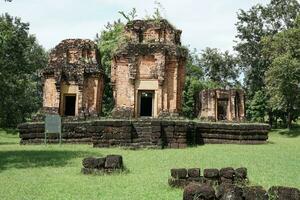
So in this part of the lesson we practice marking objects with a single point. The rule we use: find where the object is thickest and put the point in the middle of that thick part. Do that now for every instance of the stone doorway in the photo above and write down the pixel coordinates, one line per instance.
(146, 103)
(69, 104)
(222, 109)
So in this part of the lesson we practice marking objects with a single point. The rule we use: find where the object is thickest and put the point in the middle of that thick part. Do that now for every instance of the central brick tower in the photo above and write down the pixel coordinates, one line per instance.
(148, 70)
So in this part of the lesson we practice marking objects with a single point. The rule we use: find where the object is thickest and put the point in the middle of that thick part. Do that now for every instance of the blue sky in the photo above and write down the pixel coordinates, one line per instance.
(203, 23)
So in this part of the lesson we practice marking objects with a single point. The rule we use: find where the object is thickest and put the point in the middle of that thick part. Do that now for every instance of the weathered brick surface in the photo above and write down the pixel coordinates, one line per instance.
(282, 193)
(108, 164)
(179, 173)
(194, 172)
(73, 69)
(218, 185)
(234, 106)
(196, 191)
(154, 60)
(255, 192)
(146, 133)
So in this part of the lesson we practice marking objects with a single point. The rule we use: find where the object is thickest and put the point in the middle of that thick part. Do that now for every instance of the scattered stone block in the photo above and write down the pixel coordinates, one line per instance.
(241, 172)
(229, 192)
(255, 192)
(100, 163)
(111, 163)
(227, 172)
(211, 173)
(114, 162)
(195, 191)
(230, 184)
(89, 162)
(283, 193)
(179, 173)
(194, 172)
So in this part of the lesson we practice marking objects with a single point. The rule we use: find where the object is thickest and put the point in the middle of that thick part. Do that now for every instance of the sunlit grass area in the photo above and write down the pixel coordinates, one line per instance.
(53, 171)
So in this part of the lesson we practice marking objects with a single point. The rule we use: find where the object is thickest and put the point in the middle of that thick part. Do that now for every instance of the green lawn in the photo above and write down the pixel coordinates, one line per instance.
(53, 171)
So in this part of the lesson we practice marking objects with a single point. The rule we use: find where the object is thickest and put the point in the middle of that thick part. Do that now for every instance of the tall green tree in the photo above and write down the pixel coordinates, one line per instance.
(283, 75)
(258, 107)
(219, 67)
(193, 84)
(108, 42)
(253, 25)
(258, 22)
(20, 58)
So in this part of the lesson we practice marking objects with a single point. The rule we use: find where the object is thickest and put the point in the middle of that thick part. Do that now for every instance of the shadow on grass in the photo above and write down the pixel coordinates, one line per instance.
(294, 132)
(10, 131)
(8, 143)
(43, 158)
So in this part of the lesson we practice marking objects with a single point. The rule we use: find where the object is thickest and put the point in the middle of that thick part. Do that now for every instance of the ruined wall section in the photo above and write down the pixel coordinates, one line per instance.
(50, 96)
(123, 89)
(208, 104)
(92, 95)
(152, 31)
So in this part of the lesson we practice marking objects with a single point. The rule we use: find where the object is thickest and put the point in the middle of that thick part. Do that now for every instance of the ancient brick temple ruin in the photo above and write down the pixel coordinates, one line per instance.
(147, 76)
(218, 104)
(148, 71)
(73, 79)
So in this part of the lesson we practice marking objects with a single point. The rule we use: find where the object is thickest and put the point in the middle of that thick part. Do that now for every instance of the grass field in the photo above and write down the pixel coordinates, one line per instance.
(53, 171)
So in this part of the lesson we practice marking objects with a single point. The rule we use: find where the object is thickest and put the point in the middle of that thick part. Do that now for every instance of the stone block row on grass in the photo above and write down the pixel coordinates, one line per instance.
(227, 191)
(182, 177)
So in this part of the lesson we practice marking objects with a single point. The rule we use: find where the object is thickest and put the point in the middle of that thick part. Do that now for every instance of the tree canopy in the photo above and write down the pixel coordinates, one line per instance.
(283, 75)
(254, 24)
(20, 58)
(108, 41)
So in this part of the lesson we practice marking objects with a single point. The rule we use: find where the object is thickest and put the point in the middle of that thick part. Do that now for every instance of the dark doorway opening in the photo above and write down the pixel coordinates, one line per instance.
(222, 109)
(146, 103)
(70, 104)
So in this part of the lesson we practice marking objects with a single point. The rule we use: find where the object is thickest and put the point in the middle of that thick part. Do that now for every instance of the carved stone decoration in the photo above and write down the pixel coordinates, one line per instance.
(160, 61)
(132, 66)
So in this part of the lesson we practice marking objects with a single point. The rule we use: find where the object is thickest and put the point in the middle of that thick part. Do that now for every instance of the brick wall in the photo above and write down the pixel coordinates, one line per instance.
(148, 133)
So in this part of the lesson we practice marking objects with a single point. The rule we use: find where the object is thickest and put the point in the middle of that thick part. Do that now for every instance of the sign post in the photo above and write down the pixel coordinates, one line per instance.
(52, 125)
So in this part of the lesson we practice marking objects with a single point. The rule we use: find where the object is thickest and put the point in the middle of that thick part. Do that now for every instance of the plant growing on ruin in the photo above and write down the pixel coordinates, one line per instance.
(130, 16)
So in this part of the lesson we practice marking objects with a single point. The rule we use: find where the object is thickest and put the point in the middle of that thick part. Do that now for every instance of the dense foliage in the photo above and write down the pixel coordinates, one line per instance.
(258, 106)
(20, 58)
(219, 67)
(253, 26)
(283, 74)
(108, 41)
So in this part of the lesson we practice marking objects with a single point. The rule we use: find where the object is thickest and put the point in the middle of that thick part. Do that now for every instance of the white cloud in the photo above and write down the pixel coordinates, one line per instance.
(204, 23)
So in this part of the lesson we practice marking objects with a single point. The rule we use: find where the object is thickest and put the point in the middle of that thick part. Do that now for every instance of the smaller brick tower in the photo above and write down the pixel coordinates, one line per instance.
(222, 105)
(73, 79)
(148, 71)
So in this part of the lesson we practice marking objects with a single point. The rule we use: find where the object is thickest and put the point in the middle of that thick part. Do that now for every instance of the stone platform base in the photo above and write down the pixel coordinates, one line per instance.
(147, 133)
